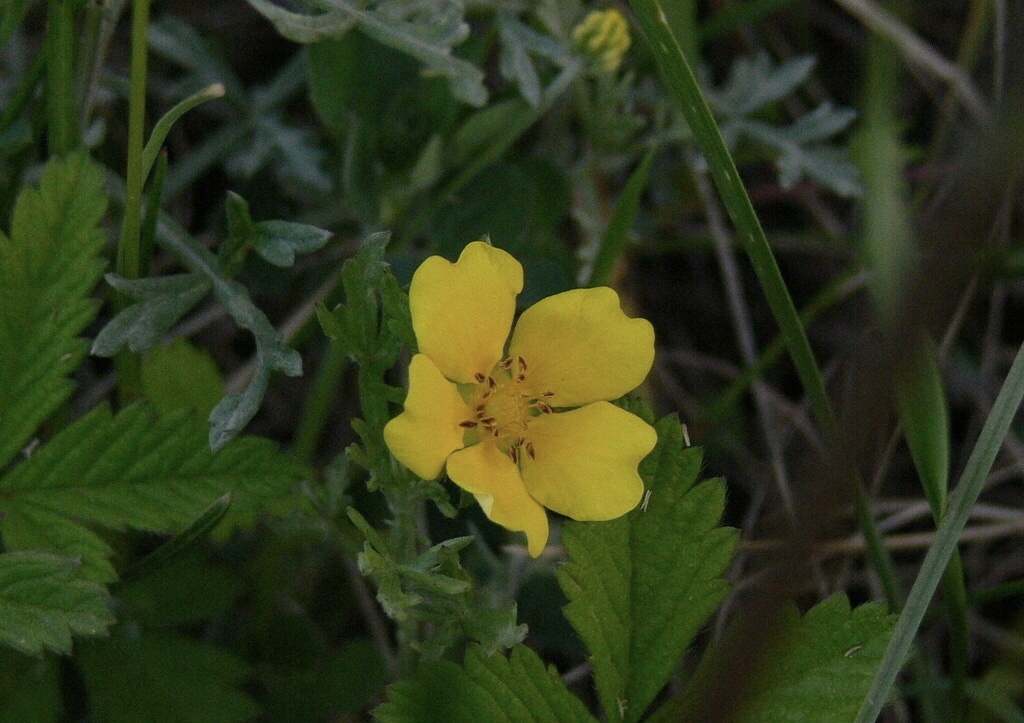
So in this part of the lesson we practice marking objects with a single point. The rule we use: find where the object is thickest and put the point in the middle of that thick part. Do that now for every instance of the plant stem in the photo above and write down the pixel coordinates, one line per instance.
(128, 251)
(60, 89)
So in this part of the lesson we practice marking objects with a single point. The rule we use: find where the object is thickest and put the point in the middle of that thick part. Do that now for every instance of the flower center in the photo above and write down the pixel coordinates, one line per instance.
(502, 411)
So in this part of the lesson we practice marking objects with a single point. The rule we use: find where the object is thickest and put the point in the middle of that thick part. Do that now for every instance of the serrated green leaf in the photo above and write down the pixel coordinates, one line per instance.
(279, 241)
(158, 678)
(44, 601)
(130, 470)
(819, 669)
(160, 302)
(354, 324)
(48, 266)
(640, 587)
(181, 376)
(823, 666)
(487, 688)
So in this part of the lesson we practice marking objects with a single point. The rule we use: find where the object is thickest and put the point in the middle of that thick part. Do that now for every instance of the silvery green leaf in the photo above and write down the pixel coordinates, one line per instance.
(279, 241)
(160, 302)
(754, 83)
(515, 60)
(821, 123)
(426, 31)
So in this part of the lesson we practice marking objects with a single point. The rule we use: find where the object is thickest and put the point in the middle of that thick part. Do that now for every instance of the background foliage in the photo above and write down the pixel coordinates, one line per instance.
(208, 216)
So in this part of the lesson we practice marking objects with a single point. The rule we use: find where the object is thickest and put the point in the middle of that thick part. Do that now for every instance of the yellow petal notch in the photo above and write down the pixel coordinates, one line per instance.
(585, 461)
(580, 345)
(462, 312)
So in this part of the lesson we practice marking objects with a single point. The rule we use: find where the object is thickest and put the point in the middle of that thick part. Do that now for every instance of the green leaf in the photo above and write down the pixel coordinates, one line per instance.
(44, 601)
(279, 241)
(181, 376)
(31, 688)
(640, 587)
(345, 683)
(425, 33)
(824, 664)
(487, 688)
(158, 678)
(48, 266)
(818, 671)
(353, 325)
(132, 471)
(160, 302)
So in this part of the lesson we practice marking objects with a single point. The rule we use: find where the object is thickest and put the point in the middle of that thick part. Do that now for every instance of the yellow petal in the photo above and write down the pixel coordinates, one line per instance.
(462, 312)
(495, 482)
(585, 461)
(428, 430)
(580, 345)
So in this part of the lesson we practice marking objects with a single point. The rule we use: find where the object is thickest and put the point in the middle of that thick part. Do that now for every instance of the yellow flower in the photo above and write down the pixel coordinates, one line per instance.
(604, 36)
(531, 427)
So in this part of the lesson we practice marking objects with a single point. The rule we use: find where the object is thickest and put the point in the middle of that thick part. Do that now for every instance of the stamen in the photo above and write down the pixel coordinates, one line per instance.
(487, 421)
(513, 452)
(506, 363)
(547, 395)
(522, 364)
(530, 451)
(468, 424)
(544, 407)
(491, 384)
(479, 377)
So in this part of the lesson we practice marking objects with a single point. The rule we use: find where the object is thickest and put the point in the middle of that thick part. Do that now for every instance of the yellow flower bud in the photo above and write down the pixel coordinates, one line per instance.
(604, 36)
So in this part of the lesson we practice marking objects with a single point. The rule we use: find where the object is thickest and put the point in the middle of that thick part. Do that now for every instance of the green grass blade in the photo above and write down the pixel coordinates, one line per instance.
(682, 83)
(616, 235)
(960, 504)
(163, 126)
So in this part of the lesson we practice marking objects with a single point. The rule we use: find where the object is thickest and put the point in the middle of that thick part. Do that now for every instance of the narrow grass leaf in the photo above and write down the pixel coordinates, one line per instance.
(616, 234)
(961, 502)
(485, 688)
(925, 418)
(640, 587)
(168, 119)
(682, 84)
(44, 601)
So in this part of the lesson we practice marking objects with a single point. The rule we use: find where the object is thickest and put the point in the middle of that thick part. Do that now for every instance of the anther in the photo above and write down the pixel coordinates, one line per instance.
(479, 377)
(491, 384)
(468, 424)
(506, 363)
(513, 452)
(522, 363)
(487, 421)
(530, 451)
(544, 407)
(547, 395)
(520, 378)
